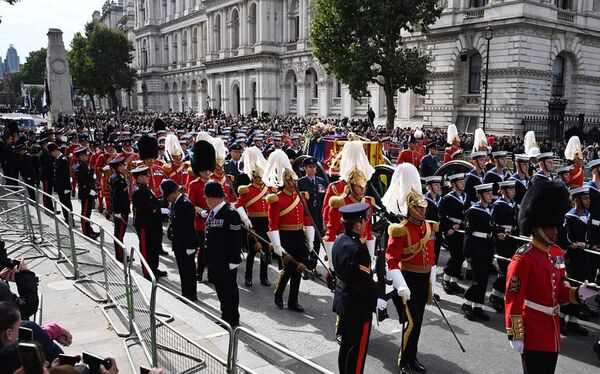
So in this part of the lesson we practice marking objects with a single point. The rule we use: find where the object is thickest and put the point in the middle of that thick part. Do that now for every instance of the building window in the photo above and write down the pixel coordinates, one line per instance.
(294, 22)
(164, 9)
(564, 4)
(195, 43)
(175, 49)
(338, 89)
(173, 7)
(142, 13)
(144, 54)
(252, 24)
(217, 32)
(475, 74)
(477, 3)
(235, 29)
(184, 44)
(166, 50)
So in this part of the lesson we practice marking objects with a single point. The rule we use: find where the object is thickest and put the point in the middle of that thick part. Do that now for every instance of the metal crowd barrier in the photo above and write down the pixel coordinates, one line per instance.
(96, 272)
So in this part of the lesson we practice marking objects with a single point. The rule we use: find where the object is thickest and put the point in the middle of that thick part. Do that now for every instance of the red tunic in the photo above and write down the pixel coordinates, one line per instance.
(102, 163)
(448, 154)
(195, 192)
(533, 276)
(413, 157)
(253, 198)
(576, 177)
(229, 196)
(156, 175)
(334, 225)
(411, 246)
(286, 212)
(178, 173)
(334, 189)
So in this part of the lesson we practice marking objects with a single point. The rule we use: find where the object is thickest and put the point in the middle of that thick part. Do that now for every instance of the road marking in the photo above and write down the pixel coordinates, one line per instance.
(216, 334)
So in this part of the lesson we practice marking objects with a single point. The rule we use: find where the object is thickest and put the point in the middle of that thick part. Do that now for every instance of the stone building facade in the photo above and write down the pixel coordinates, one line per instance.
(240, 54)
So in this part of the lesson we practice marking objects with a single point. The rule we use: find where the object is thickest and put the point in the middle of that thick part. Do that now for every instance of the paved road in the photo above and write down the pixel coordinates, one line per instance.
(311, 334)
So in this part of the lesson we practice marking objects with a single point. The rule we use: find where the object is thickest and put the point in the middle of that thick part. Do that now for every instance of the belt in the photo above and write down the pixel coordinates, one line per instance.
(345, 286)
(291, 227)
(596, 222)
(551, 311)
(258, 214)
(455, 220)
(482, 235)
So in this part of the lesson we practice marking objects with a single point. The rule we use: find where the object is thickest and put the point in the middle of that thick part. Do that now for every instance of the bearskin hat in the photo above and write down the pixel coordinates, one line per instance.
(544, 204)
(147, 147)
(203, 157)
(159, 125)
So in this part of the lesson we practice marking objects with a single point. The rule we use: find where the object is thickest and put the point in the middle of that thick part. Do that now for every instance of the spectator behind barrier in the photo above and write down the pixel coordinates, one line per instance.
(17, 271)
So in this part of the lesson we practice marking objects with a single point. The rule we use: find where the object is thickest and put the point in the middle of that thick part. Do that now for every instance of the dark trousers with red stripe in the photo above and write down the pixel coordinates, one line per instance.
(261, 226)
(355, 342)
(200, 256)
(86, 211)
(47, 201)
(150, 246)
(119, 232)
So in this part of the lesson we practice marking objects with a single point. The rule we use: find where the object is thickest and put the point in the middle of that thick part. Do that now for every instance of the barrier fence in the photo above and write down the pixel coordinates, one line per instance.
(36, 224)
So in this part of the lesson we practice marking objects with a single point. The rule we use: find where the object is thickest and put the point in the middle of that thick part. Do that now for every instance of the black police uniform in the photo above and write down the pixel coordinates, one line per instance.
(452, 212)
(9, 162)
(86, 184)
(233, 168)
(30, 172)
(493, 176)
(183, 236)
(472, 179)
(148, 224)
(47, 177)
(429, 165)
(354, 301)
(316, 189)
(62, 184)
(594, 229)
(479, 247)
(504, 215)
(223, 246)
(432, 213)
(521, 186)
(120, 206)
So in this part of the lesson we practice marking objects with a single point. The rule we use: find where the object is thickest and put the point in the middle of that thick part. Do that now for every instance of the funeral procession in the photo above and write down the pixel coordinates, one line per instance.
(299, 186)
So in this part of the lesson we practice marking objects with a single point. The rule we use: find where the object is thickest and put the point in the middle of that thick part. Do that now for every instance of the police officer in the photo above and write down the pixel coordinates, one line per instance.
(315, 186)
(223, 245)
(120, 206)
(62, 179)
(233, 167)
(28, 168)
(430, 163)
(183, 236)
(452, 216)
(147, 220)
(355, 297)
(479, 251)
(504, 214)
(86, 190)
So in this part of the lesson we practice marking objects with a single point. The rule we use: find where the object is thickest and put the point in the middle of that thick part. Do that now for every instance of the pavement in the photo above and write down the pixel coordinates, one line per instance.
(311, 334)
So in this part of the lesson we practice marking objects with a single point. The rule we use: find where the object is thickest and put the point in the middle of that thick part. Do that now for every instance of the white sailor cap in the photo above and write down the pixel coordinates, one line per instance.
(485, 187)
(455, 177)
(579, 191)
(594, 163)
(433, 179)
(522, 158)
(563, 169)
(545, 155)
(499, 154)
(507, 184)
(478, 154)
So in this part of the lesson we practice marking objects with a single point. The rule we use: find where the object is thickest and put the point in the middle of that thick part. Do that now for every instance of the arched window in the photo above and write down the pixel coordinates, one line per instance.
(311, 80)
(166, 49)
(175, 49)
(195, 43)
(558, 71)
(173, 7)
(144, 53)
(475, 74)
(564, 4)
(204, 39)
(217, 32)
(142, 12)
(477, 3)
(252, 25)
(235, 29)
(338, 89)
(164, 9)
(294, 21)
(184, 45)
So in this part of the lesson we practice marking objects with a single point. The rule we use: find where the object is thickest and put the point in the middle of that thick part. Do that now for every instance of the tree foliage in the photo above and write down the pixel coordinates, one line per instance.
(360, 41)
(100, 61)
(31, 72)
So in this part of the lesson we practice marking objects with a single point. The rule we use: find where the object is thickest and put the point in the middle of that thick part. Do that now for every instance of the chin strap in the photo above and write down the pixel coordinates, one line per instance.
(544, 237)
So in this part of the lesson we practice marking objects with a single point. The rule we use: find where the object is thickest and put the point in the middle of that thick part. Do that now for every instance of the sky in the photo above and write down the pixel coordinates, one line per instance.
(26, 23)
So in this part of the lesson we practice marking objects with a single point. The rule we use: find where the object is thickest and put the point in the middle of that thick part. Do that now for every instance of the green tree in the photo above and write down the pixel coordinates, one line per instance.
(360, 41)
(99, 61)
(31, 72)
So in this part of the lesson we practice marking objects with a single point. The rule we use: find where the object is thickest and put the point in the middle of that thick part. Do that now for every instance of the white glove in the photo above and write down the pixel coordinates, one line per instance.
(275, 242)
(381, 304)
(585, 292)
(204, 213)
(371, 248)
(517, 345)
(309, 231)
(399, 284)
(190, 251)
(165, 210)
(244, 217)
(93, 193)
(67, 191)
(328, 247)
(233, 266)
(432, 275)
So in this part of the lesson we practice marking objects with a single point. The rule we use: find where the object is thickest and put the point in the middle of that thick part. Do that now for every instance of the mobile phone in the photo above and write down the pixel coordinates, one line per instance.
(64, 359)
(15, 263)
(25, 335)
(144, 370)
(31, 358)
(93, 362)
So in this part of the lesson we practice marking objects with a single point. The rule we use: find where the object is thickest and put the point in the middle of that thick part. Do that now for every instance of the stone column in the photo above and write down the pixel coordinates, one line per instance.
(244, 29)
(324, 97)
(302, 100)
(348, 103)
(263, 24)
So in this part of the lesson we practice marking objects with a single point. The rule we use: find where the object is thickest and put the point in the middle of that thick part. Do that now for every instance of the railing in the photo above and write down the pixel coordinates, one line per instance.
(314, 101)
(337, 101)
(547, 129)
(565, 15)
(474, 14)
(291, 46)
(558, 90)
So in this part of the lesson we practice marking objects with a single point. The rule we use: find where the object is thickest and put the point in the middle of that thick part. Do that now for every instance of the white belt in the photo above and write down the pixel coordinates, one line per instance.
(482, 235)
(506, 227)
(595, 222)
(455, 220)
(551, 311)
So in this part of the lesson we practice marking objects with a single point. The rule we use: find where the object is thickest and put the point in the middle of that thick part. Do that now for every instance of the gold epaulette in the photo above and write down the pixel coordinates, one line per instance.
(242, 190)
(191, 171)
(167, 167)
(435, 226)
(370, 200)
(397, 230)
(274, 189)
(337, 201)
(272, 198)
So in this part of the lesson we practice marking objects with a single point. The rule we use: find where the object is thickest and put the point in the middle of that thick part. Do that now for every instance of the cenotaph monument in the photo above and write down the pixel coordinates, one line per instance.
(57, 73)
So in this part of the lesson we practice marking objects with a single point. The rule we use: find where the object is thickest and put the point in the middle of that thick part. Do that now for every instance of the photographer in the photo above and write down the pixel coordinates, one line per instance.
(27, 299)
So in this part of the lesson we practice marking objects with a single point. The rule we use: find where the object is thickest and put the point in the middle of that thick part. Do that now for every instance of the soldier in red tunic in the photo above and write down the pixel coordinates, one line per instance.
(202, 165)
(534, 285)
(219, 173)
(413, 154)
(104, 172)
(574, 155)
(176, 169)
(252, 198)
(290, 227)
(454, 140)
(410, 258)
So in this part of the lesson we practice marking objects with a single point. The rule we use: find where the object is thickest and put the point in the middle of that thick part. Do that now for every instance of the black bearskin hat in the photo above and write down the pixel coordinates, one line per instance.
(159, 125)
(203, 157)
(544, 204)
(147, 147)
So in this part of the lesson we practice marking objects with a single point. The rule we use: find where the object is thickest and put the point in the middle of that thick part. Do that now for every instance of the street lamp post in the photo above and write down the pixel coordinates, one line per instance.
(489, 34)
